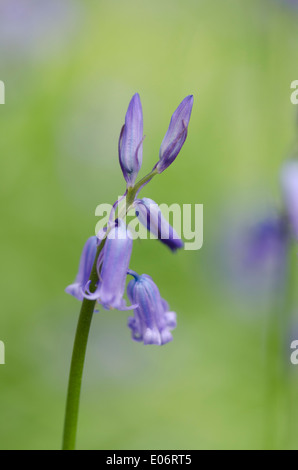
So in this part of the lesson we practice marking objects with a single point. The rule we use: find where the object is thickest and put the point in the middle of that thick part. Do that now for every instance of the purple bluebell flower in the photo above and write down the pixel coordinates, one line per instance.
(152, 320)
(289, 183)
(115, 262)
(176, 134)
(151, 217)
(86, 263)
(131, 141)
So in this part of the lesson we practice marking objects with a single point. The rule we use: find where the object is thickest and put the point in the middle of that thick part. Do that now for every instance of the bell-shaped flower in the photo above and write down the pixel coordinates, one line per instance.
(149, 214)
(115, 262)
(86, 263)
(152, 320)
(289, 183)
(176, 134)
(131, 141)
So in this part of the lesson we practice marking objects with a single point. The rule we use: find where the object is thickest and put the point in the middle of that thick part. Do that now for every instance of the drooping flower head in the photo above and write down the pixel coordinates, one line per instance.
(131, 141)
(149, 214)
(117, 253)
(152, 320)
(175, 135)
(86, 263)
(114, 266)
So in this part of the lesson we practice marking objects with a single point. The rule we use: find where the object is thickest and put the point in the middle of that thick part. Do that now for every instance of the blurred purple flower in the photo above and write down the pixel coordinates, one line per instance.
(151, 217)
(248, 257)
(175, 135)
(265, 241)
(293, 3)
(131, 141)
(30, 27)
(152, 320)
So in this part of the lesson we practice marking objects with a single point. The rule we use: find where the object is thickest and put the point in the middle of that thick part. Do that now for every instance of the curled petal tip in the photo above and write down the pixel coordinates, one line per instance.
(152, 337)
(166, 337)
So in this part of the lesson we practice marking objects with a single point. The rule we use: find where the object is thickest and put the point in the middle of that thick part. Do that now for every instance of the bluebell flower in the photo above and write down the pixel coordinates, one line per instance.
(152, 320)
(86, 263)
(175, 135)
(113, 270)
(151, 217)
(131, 141)
(289, 183)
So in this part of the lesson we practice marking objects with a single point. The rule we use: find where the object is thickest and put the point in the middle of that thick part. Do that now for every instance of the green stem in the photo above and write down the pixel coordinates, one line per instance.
(278, 396)
(77, 364)
(132, 192)
(81, 339)
(286, 323)
(271, 381)
(75, 376)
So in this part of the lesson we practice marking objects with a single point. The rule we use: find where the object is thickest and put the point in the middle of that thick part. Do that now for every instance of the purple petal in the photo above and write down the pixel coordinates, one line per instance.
(176, 134)
(117, 252)
(91, 295)
(75, 290)
(151, 217)
(85, 268)
(131, 141)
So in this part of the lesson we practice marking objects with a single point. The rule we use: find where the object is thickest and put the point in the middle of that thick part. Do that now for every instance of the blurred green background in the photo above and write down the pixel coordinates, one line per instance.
(70, 69)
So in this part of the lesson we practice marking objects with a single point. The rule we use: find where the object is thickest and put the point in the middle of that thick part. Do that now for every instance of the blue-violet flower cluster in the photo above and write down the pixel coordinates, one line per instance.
(110, 250)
